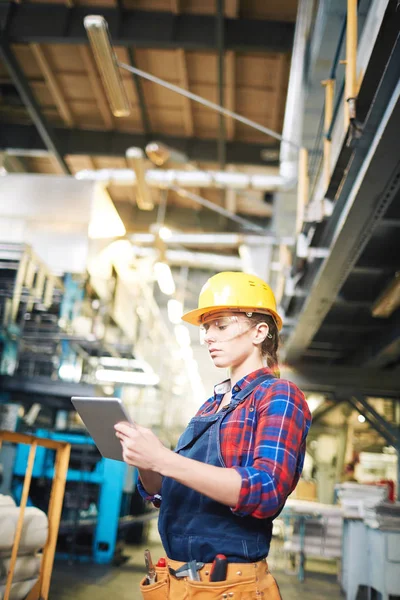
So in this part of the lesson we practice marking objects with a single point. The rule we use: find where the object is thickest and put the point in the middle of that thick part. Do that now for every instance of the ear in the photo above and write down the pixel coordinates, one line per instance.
(260, 333)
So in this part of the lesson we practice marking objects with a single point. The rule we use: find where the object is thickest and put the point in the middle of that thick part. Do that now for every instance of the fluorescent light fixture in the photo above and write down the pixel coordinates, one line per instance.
(361, 418)
(160, 154)
(389, 301)
(175, 311)
(107, 64)
(127, 377)
(164, 278)
(135, 158)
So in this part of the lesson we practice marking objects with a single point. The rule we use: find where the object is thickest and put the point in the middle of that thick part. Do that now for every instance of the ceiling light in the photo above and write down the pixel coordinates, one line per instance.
(97, 30)
(361, 418)
(165, 233)
(135, 158)
(160, 154)
(175, 311)
(127, 377)
(164, 278)
(389, 300)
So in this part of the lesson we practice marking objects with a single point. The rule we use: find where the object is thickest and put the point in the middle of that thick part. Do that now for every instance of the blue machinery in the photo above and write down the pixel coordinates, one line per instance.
(113, 479)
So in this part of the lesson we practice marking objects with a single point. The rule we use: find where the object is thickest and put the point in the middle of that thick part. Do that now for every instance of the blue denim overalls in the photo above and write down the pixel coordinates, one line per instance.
(194, 527)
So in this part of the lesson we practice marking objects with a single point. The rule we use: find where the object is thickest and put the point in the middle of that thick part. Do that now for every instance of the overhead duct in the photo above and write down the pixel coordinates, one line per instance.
(293, 122)
(165, 179)
(197, 260)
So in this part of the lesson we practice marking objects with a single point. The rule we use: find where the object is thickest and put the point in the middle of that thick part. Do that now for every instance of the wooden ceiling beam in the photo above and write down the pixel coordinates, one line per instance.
(53, 85)
(175, 7)
(275, 123)
(184, 82)
(232, 8)
(97, 87)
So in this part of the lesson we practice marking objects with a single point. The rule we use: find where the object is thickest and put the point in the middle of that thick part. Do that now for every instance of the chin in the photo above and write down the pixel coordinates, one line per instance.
(220, 362)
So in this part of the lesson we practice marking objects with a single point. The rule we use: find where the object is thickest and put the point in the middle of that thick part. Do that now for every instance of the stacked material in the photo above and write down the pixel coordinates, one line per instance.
(322, 525)
(385, 515)
(33, 538)
(354, 497)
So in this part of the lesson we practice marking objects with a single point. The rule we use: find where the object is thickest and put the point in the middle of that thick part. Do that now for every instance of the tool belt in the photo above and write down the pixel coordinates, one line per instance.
(244, 581)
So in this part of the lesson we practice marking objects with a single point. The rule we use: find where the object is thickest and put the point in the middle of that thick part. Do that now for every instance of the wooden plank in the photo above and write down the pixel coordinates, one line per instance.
(53, 85)
(20, 523)
(232, 8)
(184, 82)
(175, 6)
(280, 64)
(21, 438)
(54, 516)
(97, 87)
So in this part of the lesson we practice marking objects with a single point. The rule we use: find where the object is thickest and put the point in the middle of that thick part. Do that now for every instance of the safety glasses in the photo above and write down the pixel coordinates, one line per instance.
(223, 328)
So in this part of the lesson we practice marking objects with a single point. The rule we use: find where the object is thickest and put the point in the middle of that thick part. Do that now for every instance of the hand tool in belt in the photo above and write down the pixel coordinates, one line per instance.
(189, 569)
(151, 572)
(219, 567)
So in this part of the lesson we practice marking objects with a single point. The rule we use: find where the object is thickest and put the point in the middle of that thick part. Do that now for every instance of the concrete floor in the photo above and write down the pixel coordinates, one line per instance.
(95, 582)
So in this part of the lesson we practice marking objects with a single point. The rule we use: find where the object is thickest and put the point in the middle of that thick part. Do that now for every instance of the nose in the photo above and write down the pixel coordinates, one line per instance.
(209, 338)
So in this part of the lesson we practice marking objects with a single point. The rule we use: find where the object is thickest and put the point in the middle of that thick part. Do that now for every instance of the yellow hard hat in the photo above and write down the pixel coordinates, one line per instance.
(239, 292)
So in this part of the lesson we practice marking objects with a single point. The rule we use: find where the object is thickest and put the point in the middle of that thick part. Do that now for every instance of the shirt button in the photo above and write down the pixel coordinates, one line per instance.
(251, 408)
(236, 388)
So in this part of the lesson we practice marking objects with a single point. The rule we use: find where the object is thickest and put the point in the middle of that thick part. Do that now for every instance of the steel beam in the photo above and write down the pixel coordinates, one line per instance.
(221, 88)
(325, 409)
(58, 24)
(44, 387)
(385, 429)
(344, 381)
(375, 187)
(384, 348)
(47, 135)
(115, 143)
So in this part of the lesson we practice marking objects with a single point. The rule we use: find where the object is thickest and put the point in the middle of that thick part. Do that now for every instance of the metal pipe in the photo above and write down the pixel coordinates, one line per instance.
(205, 179)
(212, 105)
(292, 126)
(329, 85)
(226, 240)
(351, 62)
(218, 209)
(302, 188)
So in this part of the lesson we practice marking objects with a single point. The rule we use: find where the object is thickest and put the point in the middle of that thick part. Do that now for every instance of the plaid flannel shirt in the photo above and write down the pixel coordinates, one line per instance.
(266, 446)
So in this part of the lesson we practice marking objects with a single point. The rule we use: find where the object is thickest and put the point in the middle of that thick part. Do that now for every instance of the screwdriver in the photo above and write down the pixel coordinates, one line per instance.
(219, 567)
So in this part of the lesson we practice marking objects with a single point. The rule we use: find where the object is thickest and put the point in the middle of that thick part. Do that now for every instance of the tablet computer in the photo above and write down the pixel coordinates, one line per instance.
(99, 416)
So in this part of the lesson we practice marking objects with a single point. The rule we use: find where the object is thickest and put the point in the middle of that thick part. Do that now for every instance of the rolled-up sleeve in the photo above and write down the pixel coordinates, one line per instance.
(156, 499)
(283, 423)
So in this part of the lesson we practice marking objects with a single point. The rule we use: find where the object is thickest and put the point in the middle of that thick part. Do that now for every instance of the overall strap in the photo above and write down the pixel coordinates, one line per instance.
(245, 392)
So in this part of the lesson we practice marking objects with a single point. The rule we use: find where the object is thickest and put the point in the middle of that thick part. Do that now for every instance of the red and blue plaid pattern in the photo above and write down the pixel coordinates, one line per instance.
(264, 440)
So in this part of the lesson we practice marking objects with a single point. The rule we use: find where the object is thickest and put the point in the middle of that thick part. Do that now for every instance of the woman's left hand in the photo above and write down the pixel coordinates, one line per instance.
(140, 447)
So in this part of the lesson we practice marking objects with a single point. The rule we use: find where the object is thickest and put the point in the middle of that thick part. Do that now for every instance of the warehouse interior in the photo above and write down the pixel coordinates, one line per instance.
(239, 135)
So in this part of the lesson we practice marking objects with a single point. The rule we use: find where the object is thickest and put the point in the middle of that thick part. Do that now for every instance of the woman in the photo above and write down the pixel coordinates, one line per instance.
(237, 461)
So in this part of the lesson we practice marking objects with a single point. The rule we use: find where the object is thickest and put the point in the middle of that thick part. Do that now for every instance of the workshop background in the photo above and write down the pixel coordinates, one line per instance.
(241, 135)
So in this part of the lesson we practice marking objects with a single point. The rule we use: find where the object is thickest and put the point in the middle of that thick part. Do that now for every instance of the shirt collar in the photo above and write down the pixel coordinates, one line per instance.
(225, 386)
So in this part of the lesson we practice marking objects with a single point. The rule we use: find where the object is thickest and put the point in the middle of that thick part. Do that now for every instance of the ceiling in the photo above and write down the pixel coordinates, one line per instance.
(246, 67)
